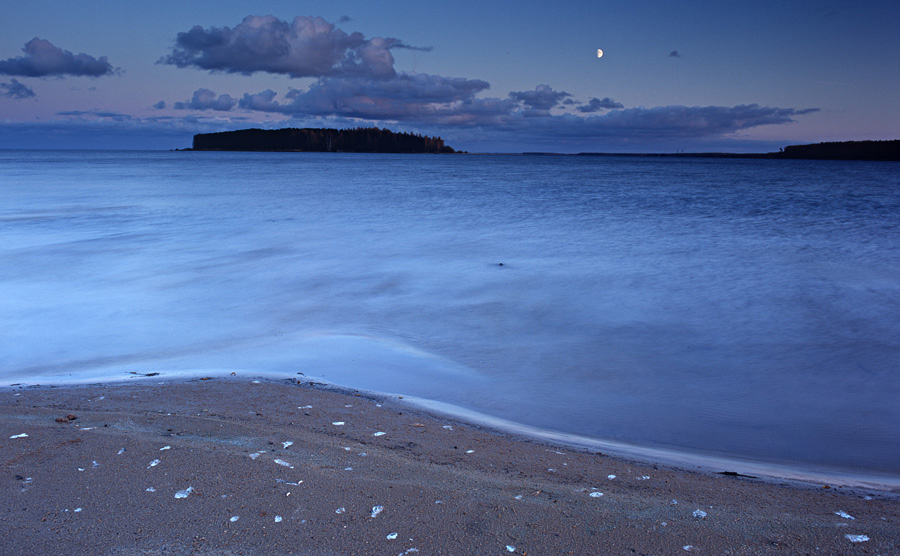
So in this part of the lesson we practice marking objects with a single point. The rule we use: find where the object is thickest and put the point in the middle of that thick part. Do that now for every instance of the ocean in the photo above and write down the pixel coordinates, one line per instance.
(731, 308)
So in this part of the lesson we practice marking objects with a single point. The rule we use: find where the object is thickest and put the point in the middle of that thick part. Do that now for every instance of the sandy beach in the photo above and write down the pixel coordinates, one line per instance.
(231, 466)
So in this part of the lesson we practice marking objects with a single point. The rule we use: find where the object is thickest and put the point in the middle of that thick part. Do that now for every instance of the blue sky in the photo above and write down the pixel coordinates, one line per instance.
(486, 76)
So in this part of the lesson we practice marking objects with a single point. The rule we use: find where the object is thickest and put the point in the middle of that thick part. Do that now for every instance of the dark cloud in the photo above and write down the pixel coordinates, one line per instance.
(306, 47)
(406, 97)
(97, 114)
(159, 105)
(542, 98)
(204, 99)
(43, 59)
(403, 45)
(15, 89)
(669, 122)
(674, 54)
(596, 105)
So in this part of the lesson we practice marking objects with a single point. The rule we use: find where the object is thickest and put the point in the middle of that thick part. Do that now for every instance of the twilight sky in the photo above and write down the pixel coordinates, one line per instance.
(487, 76)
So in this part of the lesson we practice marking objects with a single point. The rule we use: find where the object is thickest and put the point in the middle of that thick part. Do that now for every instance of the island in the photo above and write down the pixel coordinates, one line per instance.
(356, 140)
(843, 150)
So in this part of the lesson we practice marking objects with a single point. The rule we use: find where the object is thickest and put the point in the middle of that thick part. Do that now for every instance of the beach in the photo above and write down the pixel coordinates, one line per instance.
(232, 465)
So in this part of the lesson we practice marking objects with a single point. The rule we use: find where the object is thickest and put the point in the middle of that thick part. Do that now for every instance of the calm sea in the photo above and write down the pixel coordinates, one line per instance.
(742, 308)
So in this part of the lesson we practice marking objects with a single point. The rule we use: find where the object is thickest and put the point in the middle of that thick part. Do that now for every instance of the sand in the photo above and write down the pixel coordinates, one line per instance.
(229, 466)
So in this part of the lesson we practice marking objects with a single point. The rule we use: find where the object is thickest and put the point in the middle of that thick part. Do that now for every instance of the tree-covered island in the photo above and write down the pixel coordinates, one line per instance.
(357, 140)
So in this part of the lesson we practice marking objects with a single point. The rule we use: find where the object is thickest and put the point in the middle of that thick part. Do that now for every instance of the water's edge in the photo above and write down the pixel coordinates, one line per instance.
(767, 472)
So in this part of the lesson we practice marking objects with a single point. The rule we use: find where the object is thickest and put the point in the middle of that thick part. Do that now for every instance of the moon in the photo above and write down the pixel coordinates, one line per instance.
(599, 53)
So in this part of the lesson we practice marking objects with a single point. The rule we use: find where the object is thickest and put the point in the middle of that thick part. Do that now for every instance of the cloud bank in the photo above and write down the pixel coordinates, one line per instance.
(43, 59)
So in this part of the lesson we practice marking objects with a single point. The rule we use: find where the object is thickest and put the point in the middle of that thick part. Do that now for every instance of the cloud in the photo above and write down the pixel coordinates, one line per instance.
(674, 54)
(15, 89)
(306, 47)
(596, 105)
(542, 98)
(204, 99)
(403, 45)
(159, 105)
(98, 114)
(668, 122)
(407, 97)
(43, 59)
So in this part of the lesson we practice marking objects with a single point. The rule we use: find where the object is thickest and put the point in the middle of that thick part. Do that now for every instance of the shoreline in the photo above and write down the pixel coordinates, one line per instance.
(284, 457)
(708, 463)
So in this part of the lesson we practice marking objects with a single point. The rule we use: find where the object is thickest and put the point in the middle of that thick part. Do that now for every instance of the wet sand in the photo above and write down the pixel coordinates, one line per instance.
(227, 466)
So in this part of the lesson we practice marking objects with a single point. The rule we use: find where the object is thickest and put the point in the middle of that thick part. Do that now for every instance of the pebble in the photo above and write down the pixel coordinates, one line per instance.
(337, 423)
(699, 513)
(844, 514)
(184, 493)
(377, 510)
(857, 538)
(392, 536)
(23, 435)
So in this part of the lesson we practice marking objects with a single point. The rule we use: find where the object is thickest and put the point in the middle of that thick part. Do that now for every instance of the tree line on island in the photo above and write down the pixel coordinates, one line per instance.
(356, 140)
(838, 150)
(843, 150)
(377, 140)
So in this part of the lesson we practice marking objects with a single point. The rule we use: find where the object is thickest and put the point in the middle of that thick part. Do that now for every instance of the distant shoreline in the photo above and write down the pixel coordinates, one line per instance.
(376, 140)
(841, 150)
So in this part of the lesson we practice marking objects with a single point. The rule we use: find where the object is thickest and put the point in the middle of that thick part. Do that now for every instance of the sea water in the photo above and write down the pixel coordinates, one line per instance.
(746, 309)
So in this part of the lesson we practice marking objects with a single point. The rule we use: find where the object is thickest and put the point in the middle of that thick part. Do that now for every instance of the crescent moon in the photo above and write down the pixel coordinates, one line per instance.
(599, 53)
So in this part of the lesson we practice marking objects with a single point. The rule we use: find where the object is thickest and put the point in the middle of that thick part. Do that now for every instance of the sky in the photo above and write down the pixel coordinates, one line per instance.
(486, 76)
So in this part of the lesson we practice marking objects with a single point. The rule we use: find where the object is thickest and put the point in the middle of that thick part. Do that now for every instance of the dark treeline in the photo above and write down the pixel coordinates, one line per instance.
(358, 140)
(844, 150)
